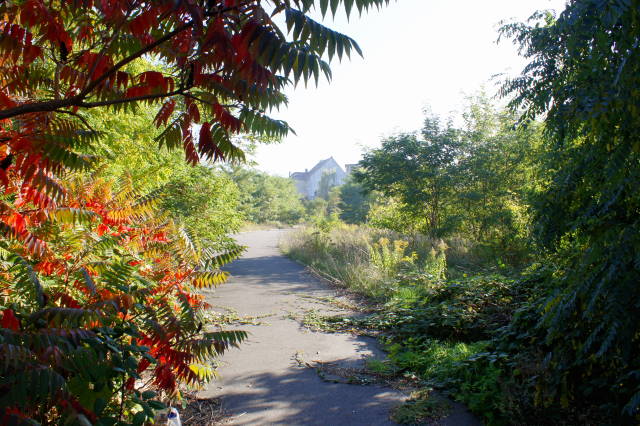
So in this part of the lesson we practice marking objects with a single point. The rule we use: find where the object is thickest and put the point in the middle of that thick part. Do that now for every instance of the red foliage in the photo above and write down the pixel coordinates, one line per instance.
(212, 53)
(162, 310)
(9, 320)
(218, 63)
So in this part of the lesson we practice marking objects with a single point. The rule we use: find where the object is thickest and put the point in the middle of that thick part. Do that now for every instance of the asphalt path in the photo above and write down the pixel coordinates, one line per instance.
(267, 381)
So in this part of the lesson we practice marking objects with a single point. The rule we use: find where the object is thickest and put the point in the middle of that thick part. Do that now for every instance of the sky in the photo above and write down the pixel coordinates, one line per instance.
(417, 54)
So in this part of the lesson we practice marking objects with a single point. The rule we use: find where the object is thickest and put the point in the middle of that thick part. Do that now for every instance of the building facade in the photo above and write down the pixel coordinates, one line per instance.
(308, 182)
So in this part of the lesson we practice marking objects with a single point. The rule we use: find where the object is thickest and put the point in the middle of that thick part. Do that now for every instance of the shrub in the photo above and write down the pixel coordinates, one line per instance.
(467, 309)
(390, 257)
(104, 295)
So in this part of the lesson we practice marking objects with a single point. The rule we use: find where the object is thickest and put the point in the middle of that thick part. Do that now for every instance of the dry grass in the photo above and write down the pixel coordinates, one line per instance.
(342, 257)
(343, 254)
(203, 412)
(250, 226)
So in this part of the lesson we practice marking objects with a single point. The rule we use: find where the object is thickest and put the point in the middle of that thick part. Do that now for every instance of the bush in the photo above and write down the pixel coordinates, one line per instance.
(466, 309)
(102, 297)
(267, 199)
(206, 202)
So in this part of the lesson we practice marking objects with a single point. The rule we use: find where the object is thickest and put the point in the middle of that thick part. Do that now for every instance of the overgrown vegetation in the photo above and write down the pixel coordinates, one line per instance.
(266, 199)
(503, 252)
(533, 317)
(438, 320)
(109, 315)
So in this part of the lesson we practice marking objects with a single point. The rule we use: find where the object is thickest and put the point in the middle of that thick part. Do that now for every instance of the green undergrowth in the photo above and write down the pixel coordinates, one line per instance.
(422, 406)
(449, 327)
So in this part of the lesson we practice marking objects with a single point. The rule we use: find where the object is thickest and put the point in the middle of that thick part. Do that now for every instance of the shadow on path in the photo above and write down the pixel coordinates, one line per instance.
(262, 382)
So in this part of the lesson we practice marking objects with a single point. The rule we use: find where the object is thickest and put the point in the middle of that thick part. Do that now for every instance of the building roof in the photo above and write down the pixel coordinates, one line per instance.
(321, 163)
(299, 175)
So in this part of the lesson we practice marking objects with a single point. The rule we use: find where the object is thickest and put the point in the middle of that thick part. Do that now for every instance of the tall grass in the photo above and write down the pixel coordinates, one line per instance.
(366, 260)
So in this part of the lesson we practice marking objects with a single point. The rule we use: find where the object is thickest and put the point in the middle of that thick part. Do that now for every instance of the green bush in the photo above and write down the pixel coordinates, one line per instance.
(466, 309)
(206, 201)
(267, 199)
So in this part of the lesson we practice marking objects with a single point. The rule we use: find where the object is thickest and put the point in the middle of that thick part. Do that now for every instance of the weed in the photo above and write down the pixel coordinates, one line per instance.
(437, 330)
(421, 407)
(365, 260)
(231, 316)
(383, 368)
(389, 257)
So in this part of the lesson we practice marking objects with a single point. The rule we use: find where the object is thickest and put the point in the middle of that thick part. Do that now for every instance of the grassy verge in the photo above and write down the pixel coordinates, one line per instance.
(437, 321)
(250, 226)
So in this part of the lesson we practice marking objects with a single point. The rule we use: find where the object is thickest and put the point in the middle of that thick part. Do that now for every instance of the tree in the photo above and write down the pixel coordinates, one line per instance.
(354, 202)
(417, 170)
(265, 198)
(110, 295)
(474, 181)
(206, 201)
(497, 171)
(327, 181)
(127, 145)
(223, 65)
(212, 70)
(582, 76)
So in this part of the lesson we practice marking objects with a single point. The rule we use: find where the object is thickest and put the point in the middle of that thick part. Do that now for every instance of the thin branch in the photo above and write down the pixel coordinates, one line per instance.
(79, 117)
(138, 54)
(45, 106)
(178, 91)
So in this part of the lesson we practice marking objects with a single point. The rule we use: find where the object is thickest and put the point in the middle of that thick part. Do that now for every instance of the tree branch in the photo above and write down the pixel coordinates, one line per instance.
(78, 100)
(178, 91)
(56, 104)
(45, 106)
(139, 53)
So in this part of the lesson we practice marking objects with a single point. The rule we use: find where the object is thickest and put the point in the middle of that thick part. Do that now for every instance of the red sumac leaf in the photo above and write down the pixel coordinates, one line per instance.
(9, 320)
(164, 113)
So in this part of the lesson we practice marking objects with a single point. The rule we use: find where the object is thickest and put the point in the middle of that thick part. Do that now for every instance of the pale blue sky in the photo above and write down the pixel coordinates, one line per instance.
(416, 53)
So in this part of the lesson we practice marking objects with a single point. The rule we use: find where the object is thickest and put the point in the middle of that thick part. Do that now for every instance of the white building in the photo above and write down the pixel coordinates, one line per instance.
(308, 182)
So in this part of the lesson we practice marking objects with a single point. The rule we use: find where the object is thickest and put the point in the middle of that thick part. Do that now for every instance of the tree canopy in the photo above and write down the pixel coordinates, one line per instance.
(223, 64)
(265, 198)
(414, 169)
(582, 76)
(472, 180)
(99, 286)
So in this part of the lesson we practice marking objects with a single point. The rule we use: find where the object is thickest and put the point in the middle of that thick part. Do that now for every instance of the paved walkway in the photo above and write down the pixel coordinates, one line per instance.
(262, 383)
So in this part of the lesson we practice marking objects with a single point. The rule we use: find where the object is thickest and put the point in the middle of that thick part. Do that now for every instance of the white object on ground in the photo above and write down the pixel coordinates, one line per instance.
(173, 417)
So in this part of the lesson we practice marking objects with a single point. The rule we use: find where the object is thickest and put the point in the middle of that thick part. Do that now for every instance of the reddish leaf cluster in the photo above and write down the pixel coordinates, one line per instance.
(217, 61)
(109, 265)
(118, 295)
